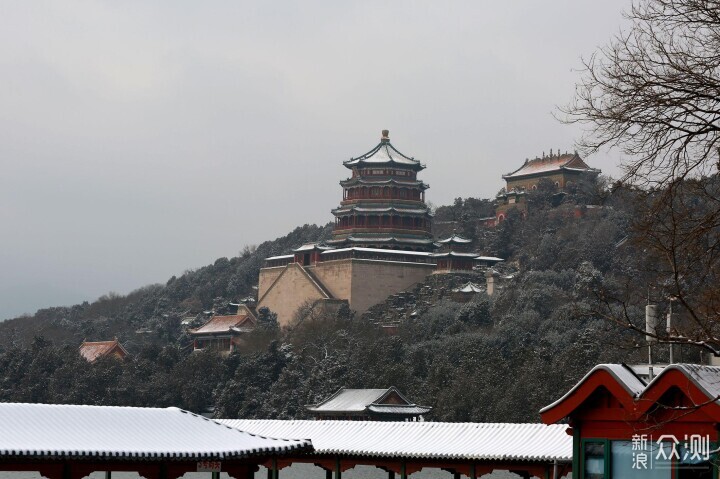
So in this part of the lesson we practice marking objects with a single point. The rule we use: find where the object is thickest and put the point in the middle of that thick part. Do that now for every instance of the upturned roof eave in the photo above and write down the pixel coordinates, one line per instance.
(516, 175)
(352, 163)
(369, 182)
(414, 164)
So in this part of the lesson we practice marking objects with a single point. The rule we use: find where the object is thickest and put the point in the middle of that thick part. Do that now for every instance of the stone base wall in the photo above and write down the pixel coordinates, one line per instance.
(267, 278)
(291, 289)
(362, 283)
(374, 281)
(336, 276)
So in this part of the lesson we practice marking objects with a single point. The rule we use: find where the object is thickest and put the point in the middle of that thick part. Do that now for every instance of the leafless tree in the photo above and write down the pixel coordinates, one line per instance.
(654, 92)
(676, 249)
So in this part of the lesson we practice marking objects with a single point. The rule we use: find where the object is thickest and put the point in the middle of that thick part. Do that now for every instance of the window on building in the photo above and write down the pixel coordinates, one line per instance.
(644, 459)
(630, 460)
(594, 460)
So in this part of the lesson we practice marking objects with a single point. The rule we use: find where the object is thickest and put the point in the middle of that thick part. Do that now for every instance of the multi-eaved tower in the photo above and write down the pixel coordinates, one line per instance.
(383, 202)
(382, 243)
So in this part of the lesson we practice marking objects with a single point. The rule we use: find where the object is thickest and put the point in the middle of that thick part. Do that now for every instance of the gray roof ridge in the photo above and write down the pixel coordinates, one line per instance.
(331, 397)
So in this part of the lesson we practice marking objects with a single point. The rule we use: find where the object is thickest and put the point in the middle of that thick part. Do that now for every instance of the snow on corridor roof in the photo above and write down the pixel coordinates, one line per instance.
(430, 440)
(51, 430)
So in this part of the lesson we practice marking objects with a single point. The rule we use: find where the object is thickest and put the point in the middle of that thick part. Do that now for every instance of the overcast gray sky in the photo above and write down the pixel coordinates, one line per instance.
(139, 139)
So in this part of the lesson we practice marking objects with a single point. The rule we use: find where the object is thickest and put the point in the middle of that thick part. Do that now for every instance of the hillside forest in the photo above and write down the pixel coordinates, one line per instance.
(496, 358)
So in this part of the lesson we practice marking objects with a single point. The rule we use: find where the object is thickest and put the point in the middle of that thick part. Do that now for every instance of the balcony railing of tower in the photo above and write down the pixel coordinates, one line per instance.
(377, 255)
(383, 229)
(385, 192)
(356, 252)
(381, 222)
(387, 172)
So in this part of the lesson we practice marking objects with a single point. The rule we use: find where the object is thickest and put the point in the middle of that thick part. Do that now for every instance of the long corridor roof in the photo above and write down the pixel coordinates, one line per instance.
(424, 440)
(69, 431)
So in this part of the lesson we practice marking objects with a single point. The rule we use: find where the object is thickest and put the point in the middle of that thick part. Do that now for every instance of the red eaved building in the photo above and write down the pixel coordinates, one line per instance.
(224, 333)
(94, 350)
(627, 424)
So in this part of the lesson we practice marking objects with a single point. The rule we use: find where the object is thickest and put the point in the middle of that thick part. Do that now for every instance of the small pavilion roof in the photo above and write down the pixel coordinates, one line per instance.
(94, 350)
(384, 154)
(469, 288)
(567, 161)
(423, 440)
(456, 239)
(104, 432)
(364, 400)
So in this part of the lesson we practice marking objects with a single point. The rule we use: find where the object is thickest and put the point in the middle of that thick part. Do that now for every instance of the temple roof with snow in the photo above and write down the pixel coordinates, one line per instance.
(242, 322)
(549, 164)
(384, 154)
(388, 403)
(94, 350)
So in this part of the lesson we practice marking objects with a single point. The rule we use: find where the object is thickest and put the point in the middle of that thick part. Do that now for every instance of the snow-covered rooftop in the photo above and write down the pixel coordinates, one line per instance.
(469, 288)
(567, 161)
(94, 350)
(455, 254)
(455, 239)
(638, 384)
(283, 256)
(488, 258)
(384, 153)
(311, 247)
(425, 440)
(242, 321)
(52, 430)
(355, 400)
